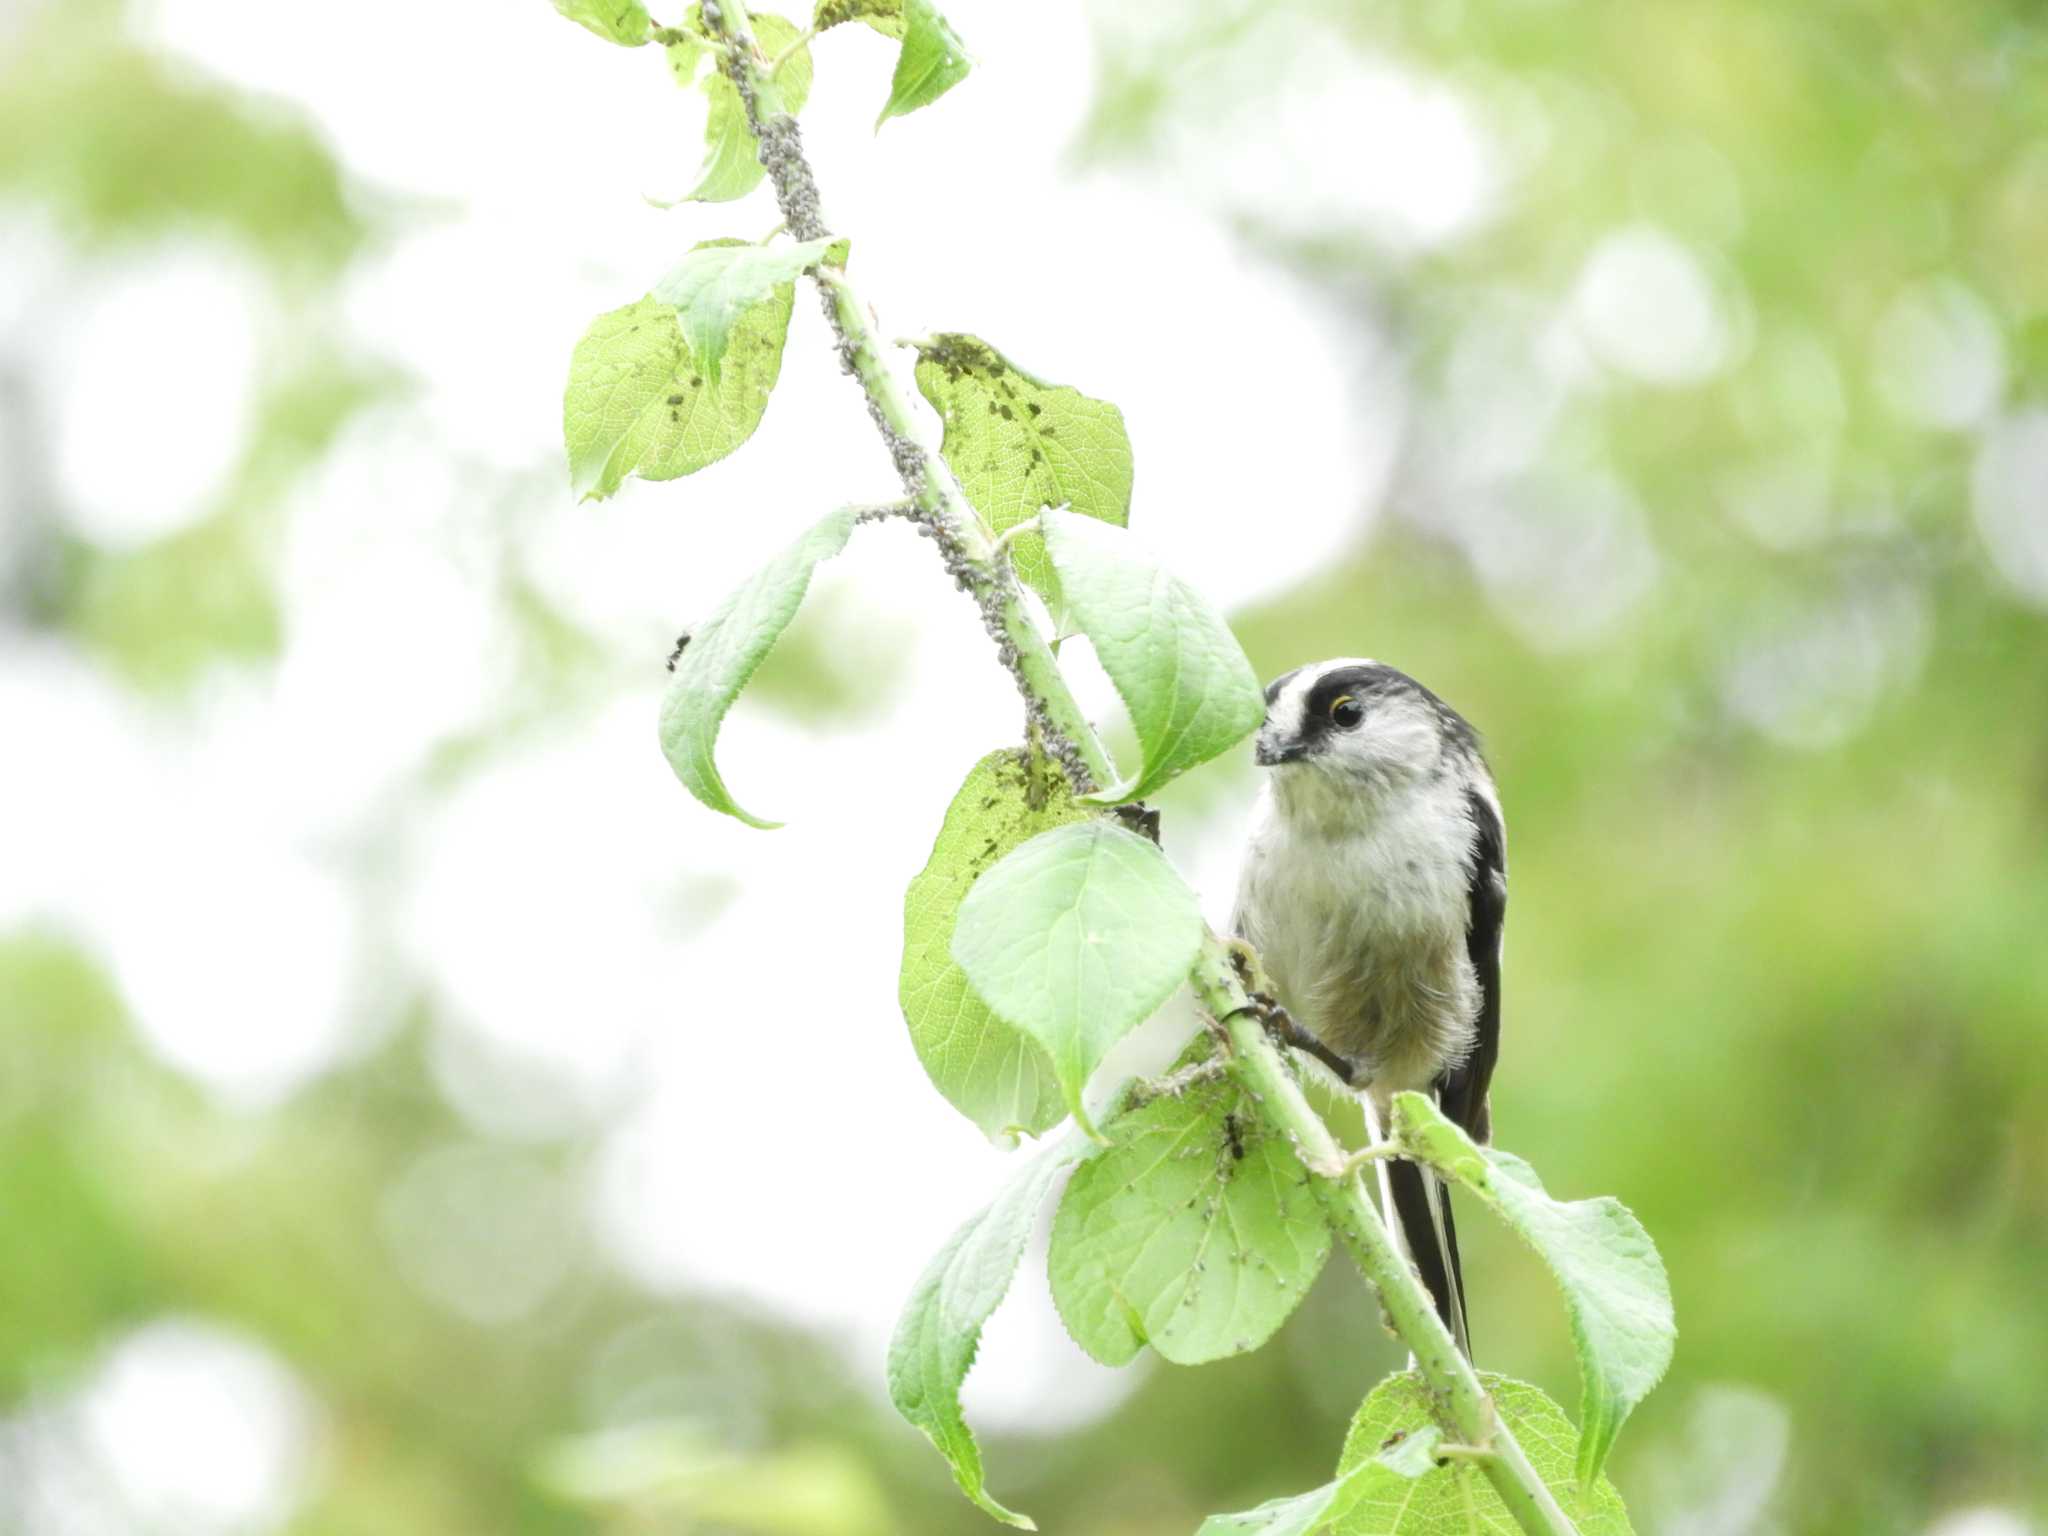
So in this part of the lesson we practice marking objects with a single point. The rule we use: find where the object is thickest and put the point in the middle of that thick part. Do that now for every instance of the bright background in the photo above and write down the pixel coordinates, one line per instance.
(418, 1116)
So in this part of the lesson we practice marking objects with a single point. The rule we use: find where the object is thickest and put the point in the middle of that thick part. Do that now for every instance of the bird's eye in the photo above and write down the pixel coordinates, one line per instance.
(1346, 711)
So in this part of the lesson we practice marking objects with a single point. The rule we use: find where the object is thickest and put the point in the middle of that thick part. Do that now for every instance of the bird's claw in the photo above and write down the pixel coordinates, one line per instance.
(1285, 1029)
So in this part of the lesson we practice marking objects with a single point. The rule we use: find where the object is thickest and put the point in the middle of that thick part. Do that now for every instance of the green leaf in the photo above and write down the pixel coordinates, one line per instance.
(1382, 1476)
(940, 1330)
(638, 404)
(714, 287)
(624, 22)
(932, 62)
(1455, 1499)
(732, 157)
(1189, 689)
(993, 1073)
(1614, 1284)
(723, 653)
(1075, 938)
(885, 16)
(1019, 444)
(1196, 1232)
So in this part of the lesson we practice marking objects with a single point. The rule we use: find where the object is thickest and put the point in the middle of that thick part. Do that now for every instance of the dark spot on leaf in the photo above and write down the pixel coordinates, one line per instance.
(1007, 413)
(675, 399)
(1032, 408)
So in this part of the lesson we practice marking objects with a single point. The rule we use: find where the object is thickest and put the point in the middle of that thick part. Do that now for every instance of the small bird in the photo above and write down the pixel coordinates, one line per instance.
(1374, 890)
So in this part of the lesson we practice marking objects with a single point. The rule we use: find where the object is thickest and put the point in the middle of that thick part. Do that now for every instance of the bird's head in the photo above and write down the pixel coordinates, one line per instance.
(1357, 721)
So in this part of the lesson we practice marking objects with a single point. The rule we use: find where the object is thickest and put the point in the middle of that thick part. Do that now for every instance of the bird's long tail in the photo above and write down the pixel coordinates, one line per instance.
(1420, 1211)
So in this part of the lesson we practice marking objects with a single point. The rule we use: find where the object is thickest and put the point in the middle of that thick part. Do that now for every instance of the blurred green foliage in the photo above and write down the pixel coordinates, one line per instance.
(1776, 976)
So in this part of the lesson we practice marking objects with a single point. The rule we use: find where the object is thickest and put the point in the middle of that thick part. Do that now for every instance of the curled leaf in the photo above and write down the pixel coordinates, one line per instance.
(723, 653)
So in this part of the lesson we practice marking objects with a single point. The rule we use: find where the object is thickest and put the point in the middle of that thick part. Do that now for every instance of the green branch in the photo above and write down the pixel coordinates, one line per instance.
(1460, 1402)
(966, 542)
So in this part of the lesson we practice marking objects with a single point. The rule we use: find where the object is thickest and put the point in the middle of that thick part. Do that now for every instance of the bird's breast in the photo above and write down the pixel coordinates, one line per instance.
(1363, 932)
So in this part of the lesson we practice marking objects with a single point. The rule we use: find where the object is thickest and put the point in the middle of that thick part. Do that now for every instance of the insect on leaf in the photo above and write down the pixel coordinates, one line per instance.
(638, 403)
(995, 1074)
(723, 653)
(732, 156)
(1455, 1499)
(1381, 1477)
(716, 285)
(1195, 1232)
(1019, 444)
(624, 22)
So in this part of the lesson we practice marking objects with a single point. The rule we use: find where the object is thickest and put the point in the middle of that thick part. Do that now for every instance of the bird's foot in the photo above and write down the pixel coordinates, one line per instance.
(1287, 1030)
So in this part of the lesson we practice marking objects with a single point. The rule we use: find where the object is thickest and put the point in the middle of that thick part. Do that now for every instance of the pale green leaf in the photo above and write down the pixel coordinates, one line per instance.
(723, 653)
(637, 403)
(1410, 1457)
(713, 287)
(932, 62)
(1615, 1288)
(996, 1075)
(1018, 445)
(1196, 1232)
(885, 16)
(686, 55)
(940, 1329)
(1455, 1499)
(732, 158)
(624, 22)
(1075, 938)
(1413, 1455)
(1184, 679)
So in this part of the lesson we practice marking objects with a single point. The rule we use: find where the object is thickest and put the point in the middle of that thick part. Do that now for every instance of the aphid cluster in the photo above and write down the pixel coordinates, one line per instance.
(796, 191)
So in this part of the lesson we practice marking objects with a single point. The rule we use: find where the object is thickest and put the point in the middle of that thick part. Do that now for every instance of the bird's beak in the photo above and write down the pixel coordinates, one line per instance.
(1269, 751)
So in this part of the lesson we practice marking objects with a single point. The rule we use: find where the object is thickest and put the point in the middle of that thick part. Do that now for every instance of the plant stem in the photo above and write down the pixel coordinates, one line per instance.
(1460, 1401)
(977, 564)
(966, 541)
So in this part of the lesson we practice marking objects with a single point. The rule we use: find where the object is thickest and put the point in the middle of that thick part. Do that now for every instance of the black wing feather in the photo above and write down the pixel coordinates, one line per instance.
(1423, 1204)
(1463, 1090)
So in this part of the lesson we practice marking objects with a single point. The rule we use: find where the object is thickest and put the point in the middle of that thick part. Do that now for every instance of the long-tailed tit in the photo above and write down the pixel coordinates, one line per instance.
(1374, 890)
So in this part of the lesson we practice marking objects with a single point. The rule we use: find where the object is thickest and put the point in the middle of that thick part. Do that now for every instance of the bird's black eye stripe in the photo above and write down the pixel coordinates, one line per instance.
(1274, 688)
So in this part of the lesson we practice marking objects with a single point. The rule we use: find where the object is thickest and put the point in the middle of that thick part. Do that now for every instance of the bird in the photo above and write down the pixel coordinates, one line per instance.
(1374, 892)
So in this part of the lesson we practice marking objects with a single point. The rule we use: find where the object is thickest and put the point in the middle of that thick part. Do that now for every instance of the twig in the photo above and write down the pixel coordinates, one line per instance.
(966, 543)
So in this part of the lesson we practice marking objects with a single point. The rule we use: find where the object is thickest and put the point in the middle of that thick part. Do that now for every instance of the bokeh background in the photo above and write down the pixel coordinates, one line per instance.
(418, 1116)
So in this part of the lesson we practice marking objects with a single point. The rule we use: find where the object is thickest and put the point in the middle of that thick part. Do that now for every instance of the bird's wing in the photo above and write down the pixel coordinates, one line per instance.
(1462, 1091)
